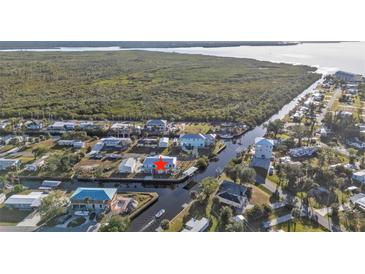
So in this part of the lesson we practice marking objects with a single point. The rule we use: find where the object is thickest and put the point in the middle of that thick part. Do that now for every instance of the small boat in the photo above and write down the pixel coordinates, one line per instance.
(160, 213)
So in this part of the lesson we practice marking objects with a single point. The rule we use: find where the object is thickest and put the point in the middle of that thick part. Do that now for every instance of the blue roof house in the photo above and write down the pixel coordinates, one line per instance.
(94, 199)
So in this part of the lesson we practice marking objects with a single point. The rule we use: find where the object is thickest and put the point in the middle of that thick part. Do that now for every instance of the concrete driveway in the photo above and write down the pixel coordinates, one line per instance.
(31, 220)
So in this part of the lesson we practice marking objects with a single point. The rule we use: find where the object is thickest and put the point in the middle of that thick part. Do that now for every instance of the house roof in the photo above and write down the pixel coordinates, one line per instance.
(193, 136)
(151, 159)
(32, 199)
(231, 191)
(156, 122)
(130, 162)
(263, 141)
(94, 194)
(360, 173)
(9, 160)
(194, 225)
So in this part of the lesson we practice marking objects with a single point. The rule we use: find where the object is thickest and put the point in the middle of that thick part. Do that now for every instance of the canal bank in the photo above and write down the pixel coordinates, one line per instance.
(172, 197)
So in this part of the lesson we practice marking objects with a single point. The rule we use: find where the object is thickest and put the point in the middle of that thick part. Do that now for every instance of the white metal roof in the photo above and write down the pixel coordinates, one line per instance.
(32, 199)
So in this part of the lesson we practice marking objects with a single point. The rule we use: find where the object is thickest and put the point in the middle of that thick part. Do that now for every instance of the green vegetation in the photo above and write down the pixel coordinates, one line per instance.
(53, 205)
(202, 163)
(203, 128)
(116, 224)
(165, 224)
(12, 216)
(140, 85)
(301, 225)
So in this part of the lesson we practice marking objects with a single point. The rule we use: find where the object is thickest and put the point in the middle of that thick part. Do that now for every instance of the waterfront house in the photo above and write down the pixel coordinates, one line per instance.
(25, 201)
(60, 126)
(263, 148)
(95, 199)
(232, 194)
(33, 125)
(86, 125)
(128, 166)
(8, 163)
(359, 176)
(156, 125)
(197, 140)
(150, 167)
(49, 185)
(124, 130)
(195, 225)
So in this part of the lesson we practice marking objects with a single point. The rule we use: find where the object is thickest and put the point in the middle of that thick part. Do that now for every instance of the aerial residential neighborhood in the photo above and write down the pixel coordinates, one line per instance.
(281, 149)
(305, 173)
(182, 136)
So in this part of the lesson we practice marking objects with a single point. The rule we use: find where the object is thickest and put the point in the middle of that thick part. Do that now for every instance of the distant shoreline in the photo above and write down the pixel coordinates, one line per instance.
(119, 45)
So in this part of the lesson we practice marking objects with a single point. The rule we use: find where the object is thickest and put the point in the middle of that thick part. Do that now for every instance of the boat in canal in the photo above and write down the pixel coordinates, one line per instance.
(160, 213)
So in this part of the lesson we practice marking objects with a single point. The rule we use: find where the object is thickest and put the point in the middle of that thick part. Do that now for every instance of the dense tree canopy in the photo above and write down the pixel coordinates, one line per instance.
(141, 85)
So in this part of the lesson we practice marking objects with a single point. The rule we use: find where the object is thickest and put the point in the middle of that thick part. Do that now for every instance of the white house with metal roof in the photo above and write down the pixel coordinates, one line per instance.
(195, 225)
(150, 167)
(263, 148)
(197, 140)
(163, 142)
(128, 166)
(8, 163)
(25, 202)
(156, 125)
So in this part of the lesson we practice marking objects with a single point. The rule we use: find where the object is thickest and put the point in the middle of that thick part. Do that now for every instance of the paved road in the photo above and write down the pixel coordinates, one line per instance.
(335, 95)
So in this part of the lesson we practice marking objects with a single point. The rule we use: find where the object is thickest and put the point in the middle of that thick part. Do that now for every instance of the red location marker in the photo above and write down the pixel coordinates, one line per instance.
(160, 165)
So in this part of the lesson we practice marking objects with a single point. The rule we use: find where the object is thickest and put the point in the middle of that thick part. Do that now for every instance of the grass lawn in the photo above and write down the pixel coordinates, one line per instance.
(195, 128)
(176, 224)
(218, 146)
(6, 148)
(12, 216)
(303, 225)
(48, 145)
(273, 178)
(264, 189)
(259, 196)
(7, 224)
(140, 197)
